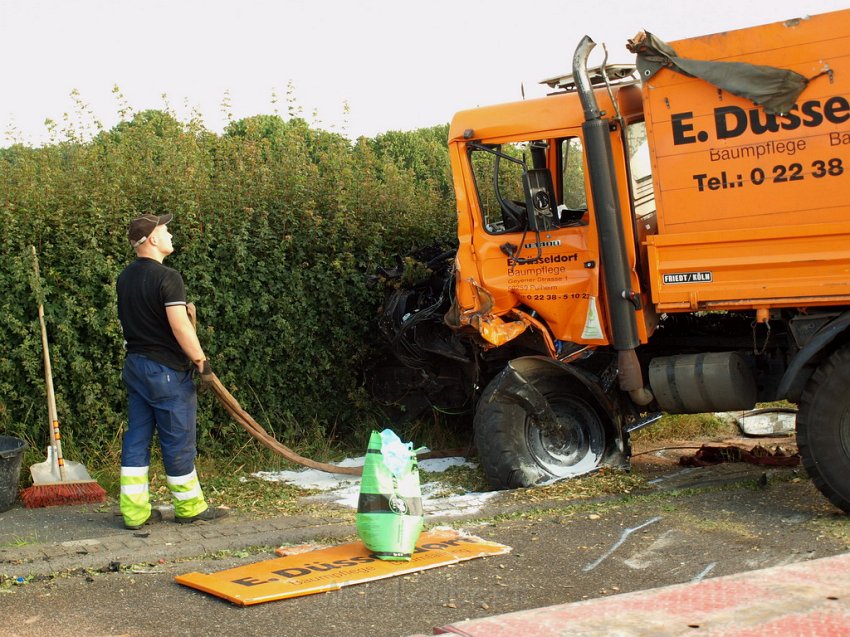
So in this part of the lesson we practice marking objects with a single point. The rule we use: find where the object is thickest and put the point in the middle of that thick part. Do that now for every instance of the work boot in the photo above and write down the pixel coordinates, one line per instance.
(154, 518)
(207, 515)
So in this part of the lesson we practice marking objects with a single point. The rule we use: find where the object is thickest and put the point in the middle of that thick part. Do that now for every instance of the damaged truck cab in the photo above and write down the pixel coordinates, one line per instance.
(530, 258)
(670, 237)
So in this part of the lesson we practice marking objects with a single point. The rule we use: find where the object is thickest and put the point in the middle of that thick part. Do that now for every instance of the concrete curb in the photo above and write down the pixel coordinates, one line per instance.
(165, 541)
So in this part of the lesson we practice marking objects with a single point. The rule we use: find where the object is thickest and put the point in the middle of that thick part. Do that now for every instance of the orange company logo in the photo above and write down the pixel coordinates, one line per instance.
(311, 567)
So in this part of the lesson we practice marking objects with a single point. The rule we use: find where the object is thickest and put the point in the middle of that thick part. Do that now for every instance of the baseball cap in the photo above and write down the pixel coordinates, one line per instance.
(141, 227)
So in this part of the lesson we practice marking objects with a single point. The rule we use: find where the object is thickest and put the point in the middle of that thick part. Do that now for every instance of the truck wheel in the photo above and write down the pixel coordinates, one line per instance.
(823, 428)
(515, 452)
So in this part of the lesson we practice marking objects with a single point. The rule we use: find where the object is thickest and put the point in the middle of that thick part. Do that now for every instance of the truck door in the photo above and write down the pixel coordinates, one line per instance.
(545, 263)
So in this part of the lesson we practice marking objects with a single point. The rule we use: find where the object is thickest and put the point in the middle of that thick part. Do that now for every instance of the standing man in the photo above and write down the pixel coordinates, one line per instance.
(162, 350)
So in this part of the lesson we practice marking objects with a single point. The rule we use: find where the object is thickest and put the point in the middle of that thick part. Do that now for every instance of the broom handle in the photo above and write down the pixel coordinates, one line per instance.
(55, 437)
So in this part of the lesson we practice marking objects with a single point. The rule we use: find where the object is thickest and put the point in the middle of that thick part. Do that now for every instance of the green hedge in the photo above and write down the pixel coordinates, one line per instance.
(277, 226)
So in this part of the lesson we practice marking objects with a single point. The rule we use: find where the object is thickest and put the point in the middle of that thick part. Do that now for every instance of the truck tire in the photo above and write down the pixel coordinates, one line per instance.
(515, 452)
(823, 428)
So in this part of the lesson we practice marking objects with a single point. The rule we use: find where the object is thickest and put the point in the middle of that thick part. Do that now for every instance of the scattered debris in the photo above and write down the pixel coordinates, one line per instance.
(708, 455)
(285, 551)
(437, 498)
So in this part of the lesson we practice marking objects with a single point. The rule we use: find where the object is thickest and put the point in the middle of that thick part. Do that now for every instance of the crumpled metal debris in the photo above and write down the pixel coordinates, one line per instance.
(758, 455)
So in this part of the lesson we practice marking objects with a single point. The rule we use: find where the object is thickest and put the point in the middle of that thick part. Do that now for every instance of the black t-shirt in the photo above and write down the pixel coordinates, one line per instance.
(145, 288)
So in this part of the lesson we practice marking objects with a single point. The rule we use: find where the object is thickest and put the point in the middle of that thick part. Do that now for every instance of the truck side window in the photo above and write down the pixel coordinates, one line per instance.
(500, 187)
(640, 167)
(573, 195)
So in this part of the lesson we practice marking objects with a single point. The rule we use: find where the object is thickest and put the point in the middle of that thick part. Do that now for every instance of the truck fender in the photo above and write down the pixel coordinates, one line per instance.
(517, 384)
(802, 367)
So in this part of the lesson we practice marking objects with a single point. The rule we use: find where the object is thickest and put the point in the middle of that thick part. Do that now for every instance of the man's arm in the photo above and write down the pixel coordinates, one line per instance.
(178, 319)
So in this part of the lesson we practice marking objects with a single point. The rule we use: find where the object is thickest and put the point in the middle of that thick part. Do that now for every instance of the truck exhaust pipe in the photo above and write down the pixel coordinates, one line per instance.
(582, 79)
(619, 297)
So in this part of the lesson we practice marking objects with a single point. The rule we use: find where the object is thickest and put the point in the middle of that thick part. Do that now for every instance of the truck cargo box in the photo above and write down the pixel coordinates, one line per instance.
(753, 208)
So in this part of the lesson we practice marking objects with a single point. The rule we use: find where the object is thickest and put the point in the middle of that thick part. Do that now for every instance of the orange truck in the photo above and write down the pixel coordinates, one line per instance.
(672, 236)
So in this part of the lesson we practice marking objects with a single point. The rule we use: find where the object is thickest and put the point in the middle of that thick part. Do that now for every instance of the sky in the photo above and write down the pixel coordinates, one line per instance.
(358, 67)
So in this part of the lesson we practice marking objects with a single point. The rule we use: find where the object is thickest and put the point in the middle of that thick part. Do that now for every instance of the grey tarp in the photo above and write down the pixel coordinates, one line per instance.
(775, 89)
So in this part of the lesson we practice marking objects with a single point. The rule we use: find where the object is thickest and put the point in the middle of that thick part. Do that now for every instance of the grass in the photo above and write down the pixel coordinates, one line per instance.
(261, 498)
(686, 427)
(6, 583)
(18, 542)
(602, 483)
(442, 431)
(226, 480)
(254, 496)
(696, 426)
(836, 525)
(248, 551)
(250, 496)
(605, 502)
(456, 480)
(722, 521)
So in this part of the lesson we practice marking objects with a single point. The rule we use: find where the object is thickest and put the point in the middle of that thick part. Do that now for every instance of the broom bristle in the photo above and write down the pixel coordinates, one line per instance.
(66, 493)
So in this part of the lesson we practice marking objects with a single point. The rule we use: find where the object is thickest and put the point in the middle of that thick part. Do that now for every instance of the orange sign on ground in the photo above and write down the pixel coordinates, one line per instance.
(332, 568)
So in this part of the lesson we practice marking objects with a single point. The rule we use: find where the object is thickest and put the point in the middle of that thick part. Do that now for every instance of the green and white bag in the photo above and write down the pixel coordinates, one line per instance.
(389, 512)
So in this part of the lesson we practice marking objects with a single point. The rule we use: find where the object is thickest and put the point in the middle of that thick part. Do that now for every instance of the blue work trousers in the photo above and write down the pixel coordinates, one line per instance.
(162, 400)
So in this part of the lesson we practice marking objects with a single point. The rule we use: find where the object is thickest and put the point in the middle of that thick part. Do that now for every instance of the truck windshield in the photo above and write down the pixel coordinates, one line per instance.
(499, 171)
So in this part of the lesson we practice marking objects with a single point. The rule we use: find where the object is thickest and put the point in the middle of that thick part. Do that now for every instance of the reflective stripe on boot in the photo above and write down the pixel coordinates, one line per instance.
(135, 501)
(186, 494)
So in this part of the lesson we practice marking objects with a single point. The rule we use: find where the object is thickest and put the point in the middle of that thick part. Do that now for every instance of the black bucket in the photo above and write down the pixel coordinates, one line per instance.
(11, 455)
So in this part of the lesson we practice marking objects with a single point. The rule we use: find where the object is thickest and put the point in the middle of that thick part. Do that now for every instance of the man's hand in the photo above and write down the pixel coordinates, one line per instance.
(207, 375)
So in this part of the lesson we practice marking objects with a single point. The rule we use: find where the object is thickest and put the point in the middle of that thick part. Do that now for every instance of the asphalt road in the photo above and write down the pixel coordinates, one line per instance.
(561, 554)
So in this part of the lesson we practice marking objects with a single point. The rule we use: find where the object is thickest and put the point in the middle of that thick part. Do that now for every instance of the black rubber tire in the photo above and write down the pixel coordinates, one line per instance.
(823, 428)
(512, 451)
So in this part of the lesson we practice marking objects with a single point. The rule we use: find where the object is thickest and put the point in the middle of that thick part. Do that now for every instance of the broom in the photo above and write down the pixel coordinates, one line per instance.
(56, 481)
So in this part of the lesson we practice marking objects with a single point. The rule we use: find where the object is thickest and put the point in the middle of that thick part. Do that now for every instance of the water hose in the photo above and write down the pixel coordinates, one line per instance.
(232, 407)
